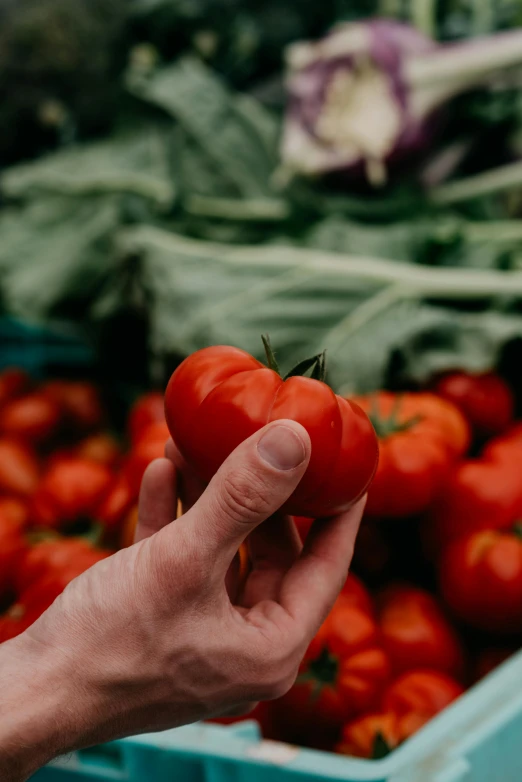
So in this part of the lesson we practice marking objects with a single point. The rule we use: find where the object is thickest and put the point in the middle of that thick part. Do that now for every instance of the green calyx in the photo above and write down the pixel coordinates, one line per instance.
(321, 672)
(316, 364)
(385, 427)
(380, 748)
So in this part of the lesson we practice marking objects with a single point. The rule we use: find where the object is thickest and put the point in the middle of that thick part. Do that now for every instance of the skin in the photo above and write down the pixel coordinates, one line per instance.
(161, 634)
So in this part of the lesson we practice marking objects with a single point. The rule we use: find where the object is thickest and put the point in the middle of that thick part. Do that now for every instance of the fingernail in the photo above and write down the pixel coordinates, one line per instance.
(281, 448)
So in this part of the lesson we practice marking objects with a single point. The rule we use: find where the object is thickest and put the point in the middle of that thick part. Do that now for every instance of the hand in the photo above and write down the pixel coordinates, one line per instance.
(149, 639)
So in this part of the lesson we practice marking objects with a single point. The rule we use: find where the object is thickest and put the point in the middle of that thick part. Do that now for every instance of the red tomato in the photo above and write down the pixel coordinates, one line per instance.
(150, 446)
(484, 399)
(14, 512)
(33, 417)
(363, 736)
(117, 503)
(343, 674)
(29, 606)
(489, 659)
(420, 437)
(12, 548)
(220, 396)
(61, 558)
(100, 448)
(420, 695)
(13, 383)
(19, 468)
(479, 494)
(69, 491)
(129, 527)
(507, 448)
(303, 525)
(148, 409)
(481, 580)
(355, 593)
(79, 402)
(416, 633)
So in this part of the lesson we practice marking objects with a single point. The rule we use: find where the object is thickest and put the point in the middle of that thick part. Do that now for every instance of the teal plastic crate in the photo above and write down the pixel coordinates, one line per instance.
(477, 739)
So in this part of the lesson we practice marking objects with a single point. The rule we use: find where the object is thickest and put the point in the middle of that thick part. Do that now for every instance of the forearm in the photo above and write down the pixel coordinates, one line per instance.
(39, 708)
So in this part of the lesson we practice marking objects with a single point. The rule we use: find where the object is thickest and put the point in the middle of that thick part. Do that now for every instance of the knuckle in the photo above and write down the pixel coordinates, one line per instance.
(244, 497)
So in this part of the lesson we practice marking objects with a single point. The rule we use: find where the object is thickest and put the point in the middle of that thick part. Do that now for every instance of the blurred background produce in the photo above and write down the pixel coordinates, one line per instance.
(348, 176)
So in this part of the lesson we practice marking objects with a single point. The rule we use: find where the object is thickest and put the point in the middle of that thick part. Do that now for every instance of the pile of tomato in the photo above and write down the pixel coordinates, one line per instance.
(434, 601)
(68, 487)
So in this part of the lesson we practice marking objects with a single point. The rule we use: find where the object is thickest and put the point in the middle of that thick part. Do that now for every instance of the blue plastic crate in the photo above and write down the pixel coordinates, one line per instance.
(477, 739)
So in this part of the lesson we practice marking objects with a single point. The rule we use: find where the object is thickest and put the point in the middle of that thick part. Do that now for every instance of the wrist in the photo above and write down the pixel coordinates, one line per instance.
(41, 706)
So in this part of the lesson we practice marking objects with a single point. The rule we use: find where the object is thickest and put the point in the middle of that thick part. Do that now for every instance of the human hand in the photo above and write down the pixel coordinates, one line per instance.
(149, 638)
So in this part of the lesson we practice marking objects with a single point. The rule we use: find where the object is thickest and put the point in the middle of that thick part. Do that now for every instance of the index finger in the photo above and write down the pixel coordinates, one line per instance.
(312, 585)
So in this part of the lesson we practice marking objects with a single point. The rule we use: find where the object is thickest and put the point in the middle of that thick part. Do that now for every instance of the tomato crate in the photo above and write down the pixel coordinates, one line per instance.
(477, 739)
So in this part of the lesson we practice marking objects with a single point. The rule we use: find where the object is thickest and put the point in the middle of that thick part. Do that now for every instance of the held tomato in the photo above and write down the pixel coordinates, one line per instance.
(61, 558)
(484, 399)
(479, 494)
(343, 674)
(481, 580)
(417, 696)
(148, 409)
(69, 491)
(416, 633)
(79, 402)
(420, 437)
(34, 417)
(303, 525)
(220, 396)
(19, 468)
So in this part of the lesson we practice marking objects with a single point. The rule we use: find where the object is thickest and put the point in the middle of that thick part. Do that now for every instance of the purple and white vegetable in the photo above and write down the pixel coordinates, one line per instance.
(372, 93)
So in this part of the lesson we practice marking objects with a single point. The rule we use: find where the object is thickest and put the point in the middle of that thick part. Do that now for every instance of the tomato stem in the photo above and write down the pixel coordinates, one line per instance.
(384, 427)
(270, 355)
(380, 748)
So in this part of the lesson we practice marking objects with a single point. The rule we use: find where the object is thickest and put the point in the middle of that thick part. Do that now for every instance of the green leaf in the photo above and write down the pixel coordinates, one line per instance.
(235, 136)
(130, 162)
(371, 314)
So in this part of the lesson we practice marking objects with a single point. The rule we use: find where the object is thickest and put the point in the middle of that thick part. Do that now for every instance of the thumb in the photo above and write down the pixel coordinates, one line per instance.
(251, 485)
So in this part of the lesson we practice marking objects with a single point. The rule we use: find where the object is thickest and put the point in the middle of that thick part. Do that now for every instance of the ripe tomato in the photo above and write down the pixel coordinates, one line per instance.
(148, 409)
(101, 448)
(33, 417)
(364, 736)
(150, 446)
(19, 468)
(62, 558)
(343, 674)
(219, 396)
(479, 494)
(12, 549)
(28, 607)
(13, 512)
(417, 696)
(485, 400)
(13, 383)
(420, 437)
(79, 402)
(481, 580)
(129, 527)
(70, 490)
(117, 503)
(507, 448)
(303, 525)
(416, 633)
(489, 659)
(355, 593)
